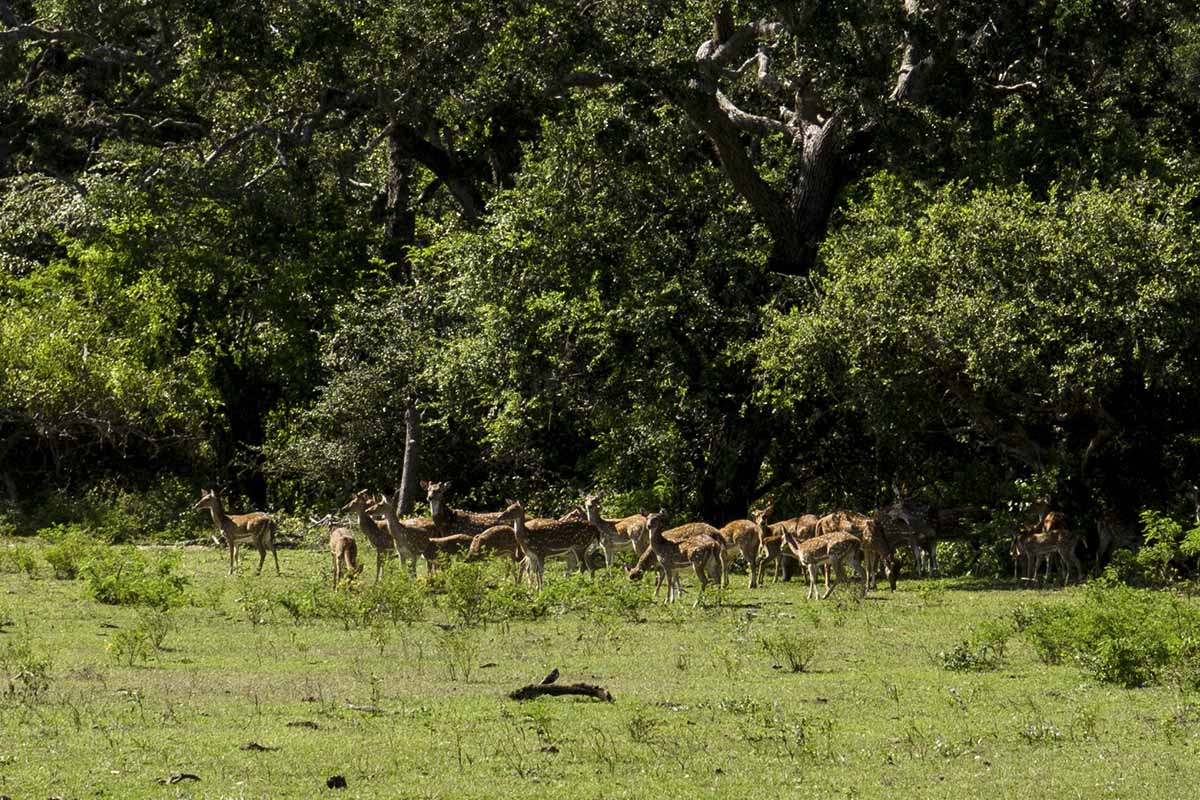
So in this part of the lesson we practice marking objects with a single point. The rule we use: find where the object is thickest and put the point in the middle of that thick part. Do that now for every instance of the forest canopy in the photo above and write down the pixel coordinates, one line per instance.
(698, 254)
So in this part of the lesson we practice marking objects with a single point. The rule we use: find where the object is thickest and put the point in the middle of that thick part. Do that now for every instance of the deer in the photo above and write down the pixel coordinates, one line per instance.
(625, 533)
(746, 535)
(540, 539)
(828, 550)
(254, 528)
(343, 549)
(905, 522)
(418, 533)
(697, 543)
(1036, 545)
(875, 545)
(450, 521)
(379, 534)
(648, 561)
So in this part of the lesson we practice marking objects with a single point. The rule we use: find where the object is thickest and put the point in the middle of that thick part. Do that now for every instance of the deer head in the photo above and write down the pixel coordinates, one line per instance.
(359, 501)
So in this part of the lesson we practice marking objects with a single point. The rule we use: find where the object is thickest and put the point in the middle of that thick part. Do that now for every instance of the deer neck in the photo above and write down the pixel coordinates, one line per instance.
(220, 518)
(593, 516)
(518, 526)
(365, 521)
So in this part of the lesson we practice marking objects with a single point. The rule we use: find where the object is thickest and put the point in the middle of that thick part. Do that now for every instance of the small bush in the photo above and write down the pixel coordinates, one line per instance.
(459, 650)
(156, 624)
(70, 546)
(983, 651)
(26, 672)
(129, 646)
(464, 589)
(125, 576)
(787, 649)
(18, 558)
(605, 593)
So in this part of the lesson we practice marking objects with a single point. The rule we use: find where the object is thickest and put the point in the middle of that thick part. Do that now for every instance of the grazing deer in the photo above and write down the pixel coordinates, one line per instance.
(696, 543)
(254, 528)
(648, 561)
(379, 534)
(626, 533)
(875, 545)
(343, 549)
(540, 539)
(828, 550)
(770, 550)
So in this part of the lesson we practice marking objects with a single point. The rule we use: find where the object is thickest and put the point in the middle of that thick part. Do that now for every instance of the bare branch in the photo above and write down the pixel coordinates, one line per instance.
(1023, 86)
(752, 122)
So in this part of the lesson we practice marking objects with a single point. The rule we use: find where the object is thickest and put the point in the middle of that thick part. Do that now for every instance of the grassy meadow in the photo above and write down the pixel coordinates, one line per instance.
(244, 685)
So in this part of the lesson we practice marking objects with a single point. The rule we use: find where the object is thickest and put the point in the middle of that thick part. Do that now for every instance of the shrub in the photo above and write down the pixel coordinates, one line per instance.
(18, 558)
(397, 597)
(125, 576)
(606, 593)
(26, 672)
(1119, 634)
(983, 651)
(129, 646)
(787, 649)
(70, 546)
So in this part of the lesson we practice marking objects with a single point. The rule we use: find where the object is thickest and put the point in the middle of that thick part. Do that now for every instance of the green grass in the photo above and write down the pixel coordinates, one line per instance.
(702, 707)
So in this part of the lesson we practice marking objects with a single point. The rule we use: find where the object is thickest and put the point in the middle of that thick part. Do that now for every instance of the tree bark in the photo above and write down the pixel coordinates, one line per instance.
(412, 454)
(400, 219)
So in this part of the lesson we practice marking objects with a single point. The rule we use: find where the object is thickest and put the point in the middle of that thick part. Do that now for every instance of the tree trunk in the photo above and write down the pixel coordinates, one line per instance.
(400, 220)
(412, 454)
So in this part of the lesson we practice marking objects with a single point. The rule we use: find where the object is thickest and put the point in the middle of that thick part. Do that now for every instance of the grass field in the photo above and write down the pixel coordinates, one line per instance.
(701, 709)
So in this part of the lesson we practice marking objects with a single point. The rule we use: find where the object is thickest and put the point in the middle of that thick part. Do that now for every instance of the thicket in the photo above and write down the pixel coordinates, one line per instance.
(597, 254)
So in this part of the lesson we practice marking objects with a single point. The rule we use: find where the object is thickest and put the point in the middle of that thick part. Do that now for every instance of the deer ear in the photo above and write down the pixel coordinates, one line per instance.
(425, 485)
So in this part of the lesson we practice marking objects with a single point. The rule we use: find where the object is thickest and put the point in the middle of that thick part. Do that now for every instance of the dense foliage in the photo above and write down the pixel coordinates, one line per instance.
(700, 254)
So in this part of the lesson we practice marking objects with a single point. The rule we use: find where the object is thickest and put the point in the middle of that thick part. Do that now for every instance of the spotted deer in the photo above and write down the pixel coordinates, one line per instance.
(254, 528)
(540, 539)
(378, 534)
(420, 534)
(696, 543)
(828, 550)
(875, 546)
(450, 521)
(625, 533)
(344, 550)
(745, 535)
(1035, 546)
(648, 561)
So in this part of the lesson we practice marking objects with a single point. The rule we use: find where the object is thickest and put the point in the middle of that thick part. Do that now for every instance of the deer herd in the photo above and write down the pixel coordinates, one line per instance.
(823, 546)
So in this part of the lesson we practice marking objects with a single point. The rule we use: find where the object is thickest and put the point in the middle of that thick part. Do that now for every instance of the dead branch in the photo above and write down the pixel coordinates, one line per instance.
(556, 690)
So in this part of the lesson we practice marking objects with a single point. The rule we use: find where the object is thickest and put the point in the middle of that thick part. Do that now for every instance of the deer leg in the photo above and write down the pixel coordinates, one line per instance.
(232, 552)
(262, 556)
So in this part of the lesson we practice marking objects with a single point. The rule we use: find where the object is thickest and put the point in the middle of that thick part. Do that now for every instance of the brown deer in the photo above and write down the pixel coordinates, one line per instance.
(905, 522)
(540, 539)
(696, 543)
(419, 533)
(254, 528)
(648, 561)
(343, 549)
(745, 535)
(875, 545)
(625, 533)
(378, 534)
(450, 521)
(829, 550)
(1035, 546)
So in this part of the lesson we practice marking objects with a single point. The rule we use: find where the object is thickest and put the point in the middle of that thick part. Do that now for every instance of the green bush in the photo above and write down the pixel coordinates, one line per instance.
(398, 598)
(608, 592)
(70, 546)
(26, 672)
(1165, 546)
(788, 649)
(1120, 635)
(126, 576)
(18, 558)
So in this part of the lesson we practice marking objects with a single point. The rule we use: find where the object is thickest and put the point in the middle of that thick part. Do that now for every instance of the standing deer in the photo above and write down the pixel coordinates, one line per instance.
(696, 543)
(343, 549)
(875, 546)
(540, 539)
(828, 550)
(254, 528)
(418, 534)
(626, 533)
(450, 521)
(745, 535)
(378, 534)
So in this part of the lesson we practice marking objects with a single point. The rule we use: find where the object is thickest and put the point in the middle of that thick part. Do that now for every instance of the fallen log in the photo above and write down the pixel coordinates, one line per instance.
(556, 689)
